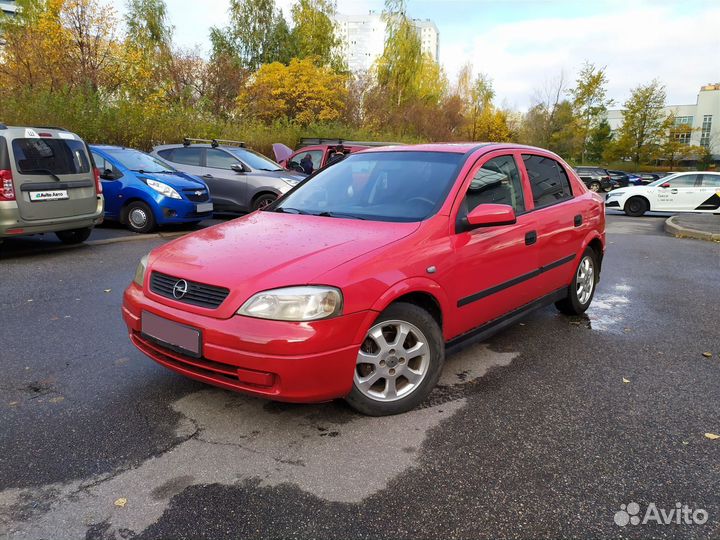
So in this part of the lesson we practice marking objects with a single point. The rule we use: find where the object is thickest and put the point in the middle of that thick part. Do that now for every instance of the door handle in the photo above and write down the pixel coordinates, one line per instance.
(673, 191)
(530, 238)
(208, 176)
(578, 220)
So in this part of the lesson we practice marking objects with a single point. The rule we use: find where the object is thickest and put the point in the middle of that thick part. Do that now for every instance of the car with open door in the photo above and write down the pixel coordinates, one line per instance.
(240, 179)
(681, 192)
(358, 281)
(48, 183)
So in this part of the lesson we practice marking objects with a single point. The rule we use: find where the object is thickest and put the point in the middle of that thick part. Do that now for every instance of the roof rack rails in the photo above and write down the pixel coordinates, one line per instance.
(187, 141)
(307, 141)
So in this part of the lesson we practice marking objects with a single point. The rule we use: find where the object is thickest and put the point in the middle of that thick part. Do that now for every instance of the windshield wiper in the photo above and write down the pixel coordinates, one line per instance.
(143, 171)
(43, 171)
(271, 170)
(291, 211)
(339, 215)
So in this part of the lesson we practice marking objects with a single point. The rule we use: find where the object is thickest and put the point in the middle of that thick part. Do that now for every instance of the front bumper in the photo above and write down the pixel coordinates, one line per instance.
(179, 211)
(297, 362)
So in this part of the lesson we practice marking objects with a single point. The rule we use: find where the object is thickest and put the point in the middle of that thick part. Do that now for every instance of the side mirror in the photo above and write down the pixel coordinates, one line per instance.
(238, 168)
(665, 185)
(107, 174)
(491, 215)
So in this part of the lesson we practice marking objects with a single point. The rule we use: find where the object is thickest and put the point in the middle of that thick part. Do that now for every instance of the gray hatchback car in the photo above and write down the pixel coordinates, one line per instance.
(239, 179)
(48, 183)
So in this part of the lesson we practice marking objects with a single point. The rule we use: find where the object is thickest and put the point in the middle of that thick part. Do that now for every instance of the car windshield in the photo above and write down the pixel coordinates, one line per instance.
(254, 160)
(139, 161)
(379, 186)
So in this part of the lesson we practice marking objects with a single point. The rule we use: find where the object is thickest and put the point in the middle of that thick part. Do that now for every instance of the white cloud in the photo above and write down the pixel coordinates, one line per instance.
(636, 44)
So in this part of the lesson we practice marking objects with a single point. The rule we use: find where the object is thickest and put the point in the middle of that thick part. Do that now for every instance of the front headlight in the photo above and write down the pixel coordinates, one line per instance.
(164, 189)
(294, 304)
(615, 193)
(290, 181)
(140, 271)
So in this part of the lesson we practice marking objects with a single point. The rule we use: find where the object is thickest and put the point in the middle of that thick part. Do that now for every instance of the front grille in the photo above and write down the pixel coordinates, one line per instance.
(198, 294)
(192, 195)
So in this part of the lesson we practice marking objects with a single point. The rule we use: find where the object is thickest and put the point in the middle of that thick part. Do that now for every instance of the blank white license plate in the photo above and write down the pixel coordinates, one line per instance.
(204, 207)
(174, 335)
(52, 195)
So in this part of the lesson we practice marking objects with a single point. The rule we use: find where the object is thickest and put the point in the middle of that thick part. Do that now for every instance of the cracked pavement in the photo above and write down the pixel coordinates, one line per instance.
(530, 434)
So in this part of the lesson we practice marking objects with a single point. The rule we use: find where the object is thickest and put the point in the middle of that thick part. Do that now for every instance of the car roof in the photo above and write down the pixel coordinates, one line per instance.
(456, 148)
(199, 145)
(15, 132)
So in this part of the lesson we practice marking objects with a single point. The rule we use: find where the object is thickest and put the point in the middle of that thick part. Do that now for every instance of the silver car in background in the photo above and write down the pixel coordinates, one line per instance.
(239, 179)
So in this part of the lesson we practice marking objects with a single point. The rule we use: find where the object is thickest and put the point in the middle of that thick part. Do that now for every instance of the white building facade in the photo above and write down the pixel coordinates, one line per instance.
(9, 7)
(362, 39)
(703, 118)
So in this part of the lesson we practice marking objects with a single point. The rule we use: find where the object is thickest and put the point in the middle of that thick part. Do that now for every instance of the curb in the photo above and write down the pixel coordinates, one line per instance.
(679, 231)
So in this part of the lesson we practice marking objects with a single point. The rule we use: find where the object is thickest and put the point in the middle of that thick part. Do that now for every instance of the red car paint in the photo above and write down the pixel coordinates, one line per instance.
(373, 264)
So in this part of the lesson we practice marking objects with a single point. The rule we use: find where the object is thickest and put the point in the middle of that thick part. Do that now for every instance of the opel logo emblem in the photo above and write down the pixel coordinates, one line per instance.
(198, 193)
(180, 289)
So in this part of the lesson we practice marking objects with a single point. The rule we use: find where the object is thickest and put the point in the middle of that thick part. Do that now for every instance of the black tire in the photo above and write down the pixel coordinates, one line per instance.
(74, 236)
(429, 364)
(139, 218)
(636, 206)
(266, 199)
(608, 189)
(595, 186)
(572, 304)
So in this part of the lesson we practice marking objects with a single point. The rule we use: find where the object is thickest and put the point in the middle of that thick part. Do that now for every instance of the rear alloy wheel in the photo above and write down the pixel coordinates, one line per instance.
(595, 186)
(139, 217)
(398, 363)
(636, 206)
(582, 288)
(263, 201)
(74, 236)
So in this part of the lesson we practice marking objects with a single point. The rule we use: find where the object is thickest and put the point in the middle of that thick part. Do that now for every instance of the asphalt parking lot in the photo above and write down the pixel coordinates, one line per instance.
(545, 430)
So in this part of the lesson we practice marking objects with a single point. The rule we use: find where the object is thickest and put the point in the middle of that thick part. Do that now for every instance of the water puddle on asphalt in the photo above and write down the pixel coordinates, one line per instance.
(607, 313)
(227, 438)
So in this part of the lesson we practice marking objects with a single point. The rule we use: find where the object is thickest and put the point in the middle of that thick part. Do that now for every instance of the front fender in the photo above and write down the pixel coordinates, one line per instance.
(408, 286)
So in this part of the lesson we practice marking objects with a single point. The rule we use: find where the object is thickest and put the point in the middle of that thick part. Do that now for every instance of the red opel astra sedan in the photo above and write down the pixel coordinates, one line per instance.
(356, 283)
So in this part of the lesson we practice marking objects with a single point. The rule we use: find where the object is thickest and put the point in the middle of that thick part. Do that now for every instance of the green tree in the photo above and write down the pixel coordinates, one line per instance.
(147, 25)
(401, 61)
(314, 33)
(600, 137)
(676, 146)
(589, 104)
(257, 34)
(645, 123)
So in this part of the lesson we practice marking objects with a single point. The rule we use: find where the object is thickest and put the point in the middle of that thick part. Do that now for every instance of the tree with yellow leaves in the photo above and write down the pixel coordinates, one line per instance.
(302, 91)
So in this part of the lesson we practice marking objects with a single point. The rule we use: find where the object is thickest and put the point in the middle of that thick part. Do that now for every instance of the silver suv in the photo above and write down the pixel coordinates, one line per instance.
(239, 179)
(48, 183)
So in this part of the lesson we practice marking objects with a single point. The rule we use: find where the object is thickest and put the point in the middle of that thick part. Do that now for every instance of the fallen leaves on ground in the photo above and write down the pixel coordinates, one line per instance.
(626, 380)
(712, 436)
(121, 502)
(707, 354)
(107, 290)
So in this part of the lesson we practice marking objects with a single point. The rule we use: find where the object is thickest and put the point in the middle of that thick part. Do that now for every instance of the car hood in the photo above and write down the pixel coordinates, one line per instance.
(266, 250)
(178, 180)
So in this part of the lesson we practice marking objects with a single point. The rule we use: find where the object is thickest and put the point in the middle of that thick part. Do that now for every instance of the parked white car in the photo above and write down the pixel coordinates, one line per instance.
(680, 192)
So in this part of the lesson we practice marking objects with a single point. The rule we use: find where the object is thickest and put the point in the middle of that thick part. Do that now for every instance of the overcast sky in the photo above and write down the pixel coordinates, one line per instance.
(524, 44)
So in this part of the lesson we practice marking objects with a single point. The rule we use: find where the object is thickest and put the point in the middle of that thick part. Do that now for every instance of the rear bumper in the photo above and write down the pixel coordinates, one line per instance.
(297, 362)
(11, 224)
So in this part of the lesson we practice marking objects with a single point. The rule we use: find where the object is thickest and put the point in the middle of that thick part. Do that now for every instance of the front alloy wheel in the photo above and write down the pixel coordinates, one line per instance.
(398, 363)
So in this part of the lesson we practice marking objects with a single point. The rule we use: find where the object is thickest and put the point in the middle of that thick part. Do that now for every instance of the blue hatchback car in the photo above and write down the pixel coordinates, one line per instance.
(142, 192)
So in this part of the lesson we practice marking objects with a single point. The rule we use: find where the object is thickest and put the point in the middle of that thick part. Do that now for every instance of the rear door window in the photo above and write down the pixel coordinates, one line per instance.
(218, 159)
(548, 179)
(708, 180)
(50, 156)
(184, 156)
